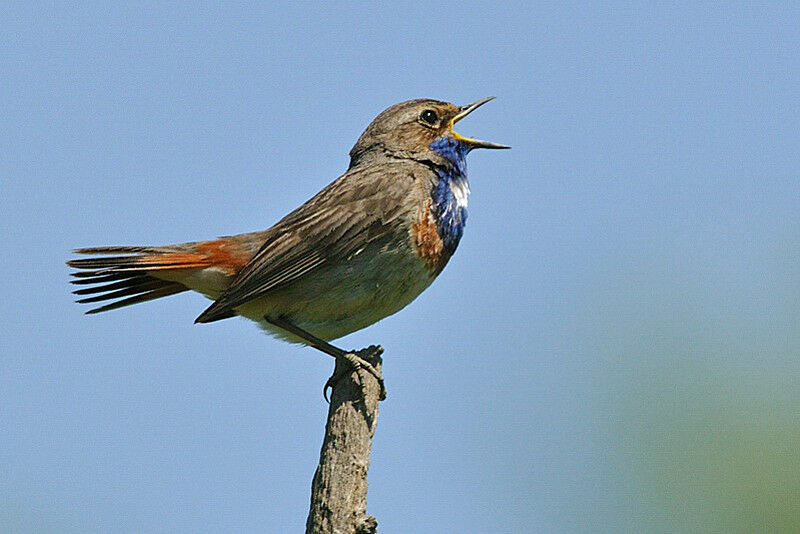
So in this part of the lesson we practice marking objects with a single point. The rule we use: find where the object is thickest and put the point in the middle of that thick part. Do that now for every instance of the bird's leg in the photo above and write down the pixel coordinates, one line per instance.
(354, 360)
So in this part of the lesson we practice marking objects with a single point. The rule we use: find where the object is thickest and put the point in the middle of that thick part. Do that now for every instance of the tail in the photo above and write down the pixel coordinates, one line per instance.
(130, 276)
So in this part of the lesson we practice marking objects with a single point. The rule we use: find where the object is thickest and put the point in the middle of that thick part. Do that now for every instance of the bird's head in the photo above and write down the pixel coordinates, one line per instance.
(419, 129)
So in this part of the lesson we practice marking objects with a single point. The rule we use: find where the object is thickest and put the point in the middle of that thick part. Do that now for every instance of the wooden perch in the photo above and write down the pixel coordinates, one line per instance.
(339, 489)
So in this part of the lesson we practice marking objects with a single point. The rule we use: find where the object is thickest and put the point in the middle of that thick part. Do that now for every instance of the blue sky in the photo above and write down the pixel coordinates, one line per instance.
(614, 347)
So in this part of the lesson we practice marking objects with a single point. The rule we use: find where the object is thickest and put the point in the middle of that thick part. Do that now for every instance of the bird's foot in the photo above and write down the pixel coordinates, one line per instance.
(362, 361)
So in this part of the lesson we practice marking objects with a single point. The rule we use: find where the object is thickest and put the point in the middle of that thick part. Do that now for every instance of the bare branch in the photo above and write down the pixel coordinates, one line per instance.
(339, 489)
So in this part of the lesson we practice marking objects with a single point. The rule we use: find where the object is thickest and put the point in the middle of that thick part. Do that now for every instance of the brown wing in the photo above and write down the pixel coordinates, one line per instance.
(359, 207)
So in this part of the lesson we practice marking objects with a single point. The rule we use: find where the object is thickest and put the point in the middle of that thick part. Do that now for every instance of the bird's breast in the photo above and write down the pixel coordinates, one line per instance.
(426, 240)
(449, 205)
(440, 220)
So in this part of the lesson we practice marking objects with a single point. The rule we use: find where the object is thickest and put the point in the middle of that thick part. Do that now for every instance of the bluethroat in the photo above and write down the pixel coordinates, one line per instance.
(361, 249)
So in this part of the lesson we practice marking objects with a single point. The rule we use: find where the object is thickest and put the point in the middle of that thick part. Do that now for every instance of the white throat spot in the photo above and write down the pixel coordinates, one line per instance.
(460, 190)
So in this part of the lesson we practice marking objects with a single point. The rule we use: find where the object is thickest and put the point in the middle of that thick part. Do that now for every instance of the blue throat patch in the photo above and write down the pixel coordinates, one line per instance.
(450, 217)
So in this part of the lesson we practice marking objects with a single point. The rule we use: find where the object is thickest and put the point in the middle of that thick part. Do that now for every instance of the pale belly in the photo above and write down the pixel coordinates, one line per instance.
(331, 302)
(336, 301)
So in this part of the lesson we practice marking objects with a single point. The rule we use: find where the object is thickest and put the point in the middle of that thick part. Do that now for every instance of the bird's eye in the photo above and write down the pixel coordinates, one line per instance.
(429, 116)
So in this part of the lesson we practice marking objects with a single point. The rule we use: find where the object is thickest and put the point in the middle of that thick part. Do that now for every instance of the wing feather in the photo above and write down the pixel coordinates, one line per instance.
(357, 208)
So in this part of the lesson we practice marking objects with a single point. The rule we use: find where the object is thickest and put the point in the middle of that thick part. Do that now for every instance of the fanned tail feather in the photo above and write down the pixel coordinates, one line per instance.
(127, 277)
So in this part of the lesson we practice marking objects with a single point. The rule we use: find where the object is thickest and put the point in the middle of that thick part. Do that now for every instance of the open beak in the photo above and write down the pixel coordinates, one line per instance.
(463, 111)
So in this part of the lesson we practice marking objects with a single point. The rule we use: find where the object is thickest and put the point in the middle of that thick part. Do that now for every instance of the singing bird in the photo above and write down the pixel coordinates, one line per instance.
(361, 249)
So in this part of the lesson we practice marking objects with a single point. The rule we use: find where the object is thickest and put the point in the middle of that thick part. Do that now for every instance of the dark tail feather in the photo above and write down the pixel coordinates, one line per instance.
(116, 277)
(169, 288)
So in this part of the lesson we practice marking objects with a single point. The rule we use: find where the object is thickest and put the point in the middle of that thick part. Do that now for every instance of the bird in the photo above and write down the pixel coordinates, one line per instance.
(358, 251)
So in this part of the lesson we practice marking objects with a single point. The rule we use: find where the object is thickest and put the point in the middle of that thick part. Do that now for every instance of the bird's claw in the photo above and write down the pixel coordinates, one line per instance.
(358, 361)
